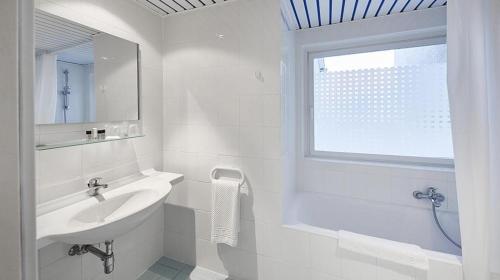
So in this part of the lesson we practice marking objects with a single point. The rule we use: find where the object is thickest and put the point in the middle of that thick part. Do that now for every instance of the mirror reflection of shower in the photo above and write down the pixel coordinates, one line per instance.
(65, 92)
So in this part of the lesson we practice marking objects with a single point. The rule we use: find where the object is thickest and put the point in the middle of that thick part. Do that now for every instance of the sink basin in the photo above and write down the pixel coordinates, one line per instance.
(106, 210)
(108, 215)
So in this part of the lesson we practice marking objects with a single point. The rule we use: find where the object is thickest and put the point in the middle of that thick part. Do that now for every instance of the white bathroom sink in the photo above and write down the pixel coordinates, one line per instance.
(107, 209)
(109, 215)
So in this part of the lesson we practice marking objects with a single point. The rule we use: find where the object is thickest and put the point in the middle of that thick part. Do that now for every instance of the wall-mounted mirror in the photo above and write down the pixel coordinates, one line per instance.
(83, 75)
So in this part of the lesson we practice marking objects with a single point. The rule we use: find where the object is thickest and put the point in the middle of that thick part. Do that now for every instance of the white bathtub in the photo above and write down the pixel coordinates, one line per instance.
(399, 223)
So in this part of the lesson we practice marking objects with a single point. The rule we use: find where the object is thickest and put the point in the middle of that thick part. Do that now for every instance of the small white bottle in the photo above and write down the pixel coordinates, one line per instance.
(133, 130)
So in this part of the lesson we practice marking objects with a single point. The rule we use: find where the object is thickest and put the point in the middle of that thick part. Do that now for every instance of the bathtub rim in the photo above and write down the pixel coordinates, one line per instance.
(431, 254)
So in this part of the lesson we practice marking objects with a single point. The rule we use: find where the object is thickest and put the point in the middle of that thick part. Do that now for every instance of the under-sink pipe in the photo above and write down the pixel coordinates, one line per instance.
(106, 256)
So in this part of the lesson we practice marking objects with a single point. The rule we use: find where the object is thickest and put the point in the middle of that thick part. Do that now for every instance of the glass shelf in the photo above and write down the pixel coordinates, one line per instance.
(80, 142)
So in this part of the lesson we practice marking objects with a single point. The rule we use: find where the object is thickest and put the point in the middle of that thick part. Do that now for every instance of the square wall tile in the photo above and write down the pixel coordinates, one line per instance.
(323, 255)
(357, 267)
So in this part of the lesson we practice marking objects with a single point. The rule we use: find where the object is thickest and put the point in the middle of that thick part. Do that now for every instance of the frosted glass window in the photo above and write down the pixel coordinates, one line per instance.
(391, 102)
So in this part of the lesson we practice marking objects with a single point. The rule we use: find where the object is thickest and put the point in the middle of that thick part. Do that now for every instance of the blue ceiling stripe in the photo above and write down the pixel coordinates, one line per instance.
(342, 11)
(331, 11)
(354, 10)
(406, 5)
(319, 12)
(157, 7)
(430, 6)
(379, 7)
(307, 13)
(168, 5)
(295, 13)
(190, 4)
(368, 7)
(392, 7)
(179, 4)
(418, 5)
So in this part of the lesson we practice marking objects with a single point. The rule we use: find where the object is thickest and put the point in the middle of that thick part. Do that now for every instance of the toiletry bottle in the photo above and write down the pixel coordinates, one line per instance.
(88, 134)
(94, 133)
(132, 130)
(115, 131)
(100, 134)
(124, 129)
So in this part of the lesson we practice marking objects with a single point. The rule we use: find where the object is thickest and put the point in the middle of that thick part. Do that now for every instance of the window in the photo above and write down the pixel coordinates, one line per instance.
(388, 105)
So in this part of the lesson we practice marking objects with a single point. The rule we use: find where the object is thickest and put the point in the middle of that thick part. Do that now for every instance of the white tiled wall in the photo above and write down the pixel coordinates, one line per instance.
(369, 181)
(223, 106)
(64, 171)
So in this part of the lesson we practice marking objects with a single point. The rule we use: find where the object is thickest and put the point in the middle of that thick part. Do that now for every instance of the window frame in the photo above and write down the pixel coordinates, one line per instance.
(360, 47)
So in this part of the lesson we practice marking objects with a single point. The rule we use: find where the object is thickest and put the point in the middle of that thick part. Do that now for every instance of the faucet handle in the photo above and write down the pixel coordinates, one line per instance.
(94, 186)
(94, 181)
(432, 194)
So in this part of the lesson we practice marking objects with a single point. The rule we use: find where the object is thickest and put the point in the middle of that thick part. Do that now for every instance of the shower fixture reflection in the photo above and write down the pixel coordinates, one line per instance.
(65, 92)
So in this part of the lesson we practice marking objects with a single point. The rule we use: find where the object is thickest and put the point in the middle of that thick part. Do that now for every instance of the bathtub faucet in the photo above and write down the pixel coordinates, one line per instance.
(431, 194)
(436, 200)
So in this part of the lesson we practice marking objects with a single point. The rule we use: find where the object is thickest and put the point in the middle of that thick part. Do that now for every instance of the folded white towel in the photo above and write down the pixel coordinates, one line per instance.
(397, 252)
(225, 212)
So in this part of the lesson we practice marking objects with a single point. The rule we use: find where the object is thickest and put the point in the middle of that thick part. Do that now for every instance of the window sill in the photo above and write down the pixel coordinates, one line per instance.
(450, 167)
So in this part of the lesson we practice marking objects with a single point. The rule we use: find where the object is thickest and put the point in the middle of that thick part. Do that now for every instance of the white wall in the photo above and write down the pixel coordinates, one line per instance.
(222, 106)
(376, 185)
(219, 110)
(26, 132)
(289, 120)
(66, 171)
(10, 216)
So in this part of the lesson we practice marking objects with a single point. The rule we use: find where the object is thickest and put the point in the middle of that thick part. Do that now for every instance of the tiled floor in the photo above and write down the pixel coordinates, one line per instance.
(167, 269)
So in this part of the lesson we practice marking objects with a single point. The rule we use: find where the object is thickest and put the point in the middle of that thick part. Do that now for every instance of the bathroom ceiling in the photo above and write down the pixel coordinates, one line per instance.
(54, 34)
(169, 7)
(303, 14)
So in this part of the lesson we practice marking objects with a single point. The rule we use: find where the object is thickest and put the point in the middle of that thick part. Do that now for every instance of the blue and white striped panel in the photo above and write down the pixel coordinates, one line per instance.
(301, 14)
(168, 7)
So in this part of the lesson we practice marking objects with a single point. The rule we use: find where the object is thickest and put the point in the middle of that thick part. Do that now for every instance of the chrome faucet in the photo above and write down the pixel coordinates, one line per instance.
(431, 194)
(95, 186)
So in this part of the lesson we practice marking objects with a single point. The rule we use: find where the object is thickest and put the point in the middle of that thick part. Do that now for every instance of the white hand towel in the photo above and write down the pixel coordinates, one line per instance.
(397, 252)
(225, 212)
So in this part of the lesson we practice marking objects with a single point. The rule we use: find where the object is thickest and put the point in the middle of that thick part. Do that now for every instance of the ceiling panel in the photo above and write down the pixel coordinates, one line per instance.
(302, 14)
(169, 7)
(54, 34)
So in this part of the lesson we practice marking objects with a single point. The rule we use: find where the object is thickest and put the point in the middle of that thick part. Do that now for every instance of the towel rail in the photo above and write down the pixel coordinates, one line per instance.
(219, 169)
